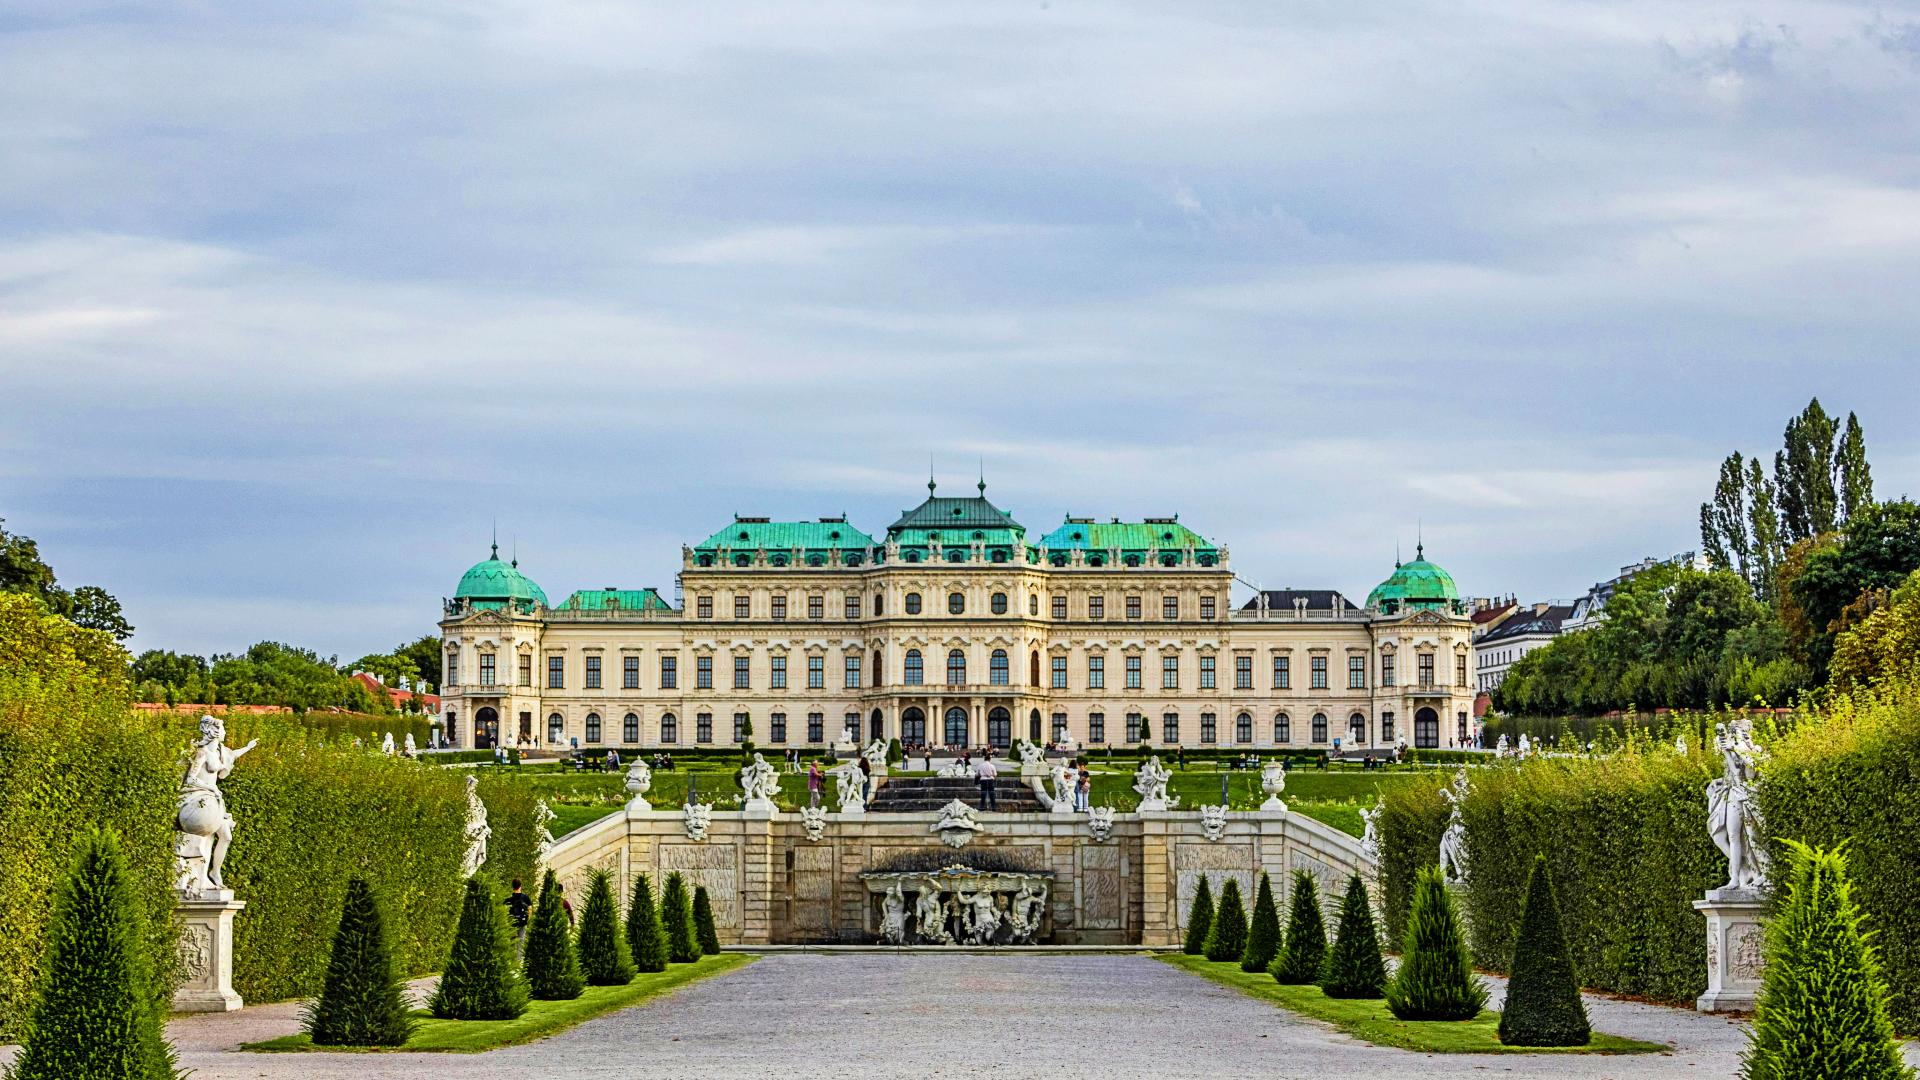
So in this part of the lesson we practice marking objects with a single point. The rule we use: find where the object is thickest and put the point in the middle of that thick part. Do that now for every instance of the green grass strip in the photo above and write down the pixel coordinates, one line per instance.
(1370, 1020)
(542, 1018)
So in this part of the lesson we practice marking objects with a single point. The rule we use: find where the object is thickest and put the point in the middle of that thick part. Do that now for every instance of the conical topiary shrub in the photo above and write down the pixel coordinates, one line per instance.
(1199, 920)
(604, 958)
(676, 915)
(1353, 968)
(704, 931)
(1435, 980)
(1306, 946)
(1228, 938)
(1263, 929)
(96, 1013)
(553, 968)
(481, 980)
(1822, 1010)
(1543, 1006)
(364, 1000)
(646, 941)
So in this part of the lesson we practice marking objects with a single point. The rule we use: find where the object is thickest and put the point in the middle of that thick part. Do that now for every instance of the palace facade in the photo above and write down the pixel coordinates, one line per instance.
(957, 628)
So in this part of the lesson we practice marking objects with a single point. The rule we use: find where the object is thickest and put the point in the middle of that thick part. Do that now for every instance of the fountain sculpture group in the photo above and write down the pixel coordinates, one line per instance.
(958, 905)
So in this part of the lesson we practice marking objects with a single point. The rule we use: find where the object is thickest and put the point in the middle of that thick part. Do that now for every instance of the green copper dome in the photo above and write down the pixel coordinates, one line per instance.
(1416, 586)
(493, 584)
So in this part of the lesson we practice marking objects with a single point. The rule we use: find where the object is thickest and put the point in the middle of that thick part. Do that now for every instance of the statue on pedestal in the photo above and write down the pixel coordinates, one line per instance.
(1151, 782)
(760, 783)
(1453, 842)
(639, 780)
(409, 749)
(1733, 816)
(1063, 782)
(893, 922)
(477, 830)
(850, 779)
(205, 827)
(929, 915)
(1273, 780)
(1370, 839)
(386, 745)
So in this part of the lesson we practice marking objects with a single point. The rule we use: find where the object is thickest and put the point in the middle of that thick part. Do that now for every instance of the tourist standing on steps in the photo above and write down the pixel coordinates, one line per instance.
(866, 778)
(814, 777)
(518, 905)
(988, 772)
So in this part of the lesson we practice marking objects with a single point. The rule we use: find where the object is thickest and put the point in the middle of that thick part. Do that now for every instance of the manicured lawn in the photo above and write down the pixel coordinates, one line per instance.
(1197, 787)
(541, 1019)
(1370, 1020)
(568, 817)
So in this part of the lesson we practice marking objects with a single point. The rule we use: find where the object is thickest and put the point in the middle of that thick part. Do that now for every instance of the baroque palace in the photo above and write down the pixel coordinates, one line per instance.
(956, 629)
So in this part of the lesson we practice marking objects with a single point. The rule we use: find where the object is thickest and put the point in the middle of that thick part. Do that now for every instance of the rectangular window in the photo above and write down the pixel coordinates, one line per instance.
(742, 606)
(1283, 673)
(743, 672)
(1133, 673)
(1059, 673)
(1170, 673)
(777, 727)
(853, 725)
(1206, 673)
(453, 669)
(1096, 606)
(1170, 728)
(593, 673)
(853, 605)
(1136, 727)
(816, 727)
(1096, 727)
(669, 729)
(1356, 673)
(816, 673)
(1169, 608)
(486, 669)
(1319, 675)
(669, 673)
(703, 672)
(1426, 669)
(1243, 673)
(1460, 670)
(556, 672)
(1386, 727)
(739, 726)
(1388, 677)
(703, 606)
(526, 671)
(816, 606)
(853, 673)
(629, 673)
(1096, 673)
(703, 727)
(780, 607)
(1059, 727)
(1208, 732)
(1133, 607)
(779, 678)
(1206, 606)
(1059, 605)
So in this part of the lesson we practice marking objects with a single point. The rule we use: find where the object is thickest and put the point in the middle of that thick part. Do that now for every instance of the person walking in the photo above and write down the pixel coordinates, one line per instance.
(987, 772)
(519, 905)
(866, 778)
(814, 777)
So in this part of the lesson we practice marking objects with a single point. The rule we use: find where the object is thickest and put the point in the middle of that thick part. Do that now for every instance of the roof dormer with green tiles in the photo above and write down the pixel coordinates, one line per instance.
(829, 541)
(1154, 541)
(948, 529)
(612, 601)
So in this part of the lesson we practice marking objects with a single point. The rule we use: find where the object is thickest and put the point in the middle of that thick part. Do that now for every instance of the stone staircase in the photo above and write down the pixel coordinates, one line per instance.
(917, 794)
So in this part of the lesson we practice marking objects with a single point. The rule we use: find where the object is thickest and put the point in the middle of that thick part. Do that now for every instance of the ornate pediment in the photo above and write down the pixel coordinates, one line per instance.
(1426, 618)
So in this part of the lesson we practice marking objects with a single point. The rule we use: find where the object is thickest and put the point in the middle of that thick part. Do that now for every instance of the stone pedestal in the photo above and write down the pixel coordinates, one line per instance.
(206, 953)
(1735, 932)
(1274, 805)
(760, 807)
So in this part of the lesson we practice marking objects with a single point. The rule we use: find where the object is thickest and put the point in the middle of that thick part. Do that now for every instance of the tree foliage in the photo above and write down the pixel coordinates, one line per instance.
(1227, 939)
(1884, 647)
(482, 980)
(1435, 980)
(646, 939)
(1263, 929)
(676, 915)
(1876, 550)
(1543, 1006)
(89, 606)
(364, 999)
(704, 930)
(605, 958)
(1354, 968)
(1199, 919)
(552, 965)
(1305, 950)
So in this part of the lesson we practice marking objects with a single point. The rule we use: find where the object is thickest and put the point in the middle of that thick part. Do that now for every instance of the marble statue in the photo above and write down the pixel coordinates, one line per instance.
(956, 825)
(1273, 780)
(1733, 814)
(1100, 823)
(408, 749)
(929, 915)
(876, 755)
(1151, 782)
(477, 830)
(1680, 744)
(1453, 842)
(1370, 839)
(543, 816)
(953, 770)
(848, 776)
(760, 783)
(893, 920)
(814, 820)
(386, 744)
(1526, 745)
(847, 739)
(1213, 822)
(1033, 760)
(1064, 780)
(639, 780)
(986, 916)
(205, 827)
(1500, 749)
(697, 817)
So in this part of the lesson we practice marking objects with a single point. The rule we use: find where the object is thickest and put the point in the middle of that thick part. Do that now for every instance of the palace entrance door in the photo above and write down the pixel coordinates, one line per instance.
(1426, 729)
(999, 729)
(956, 727)
(486, 728)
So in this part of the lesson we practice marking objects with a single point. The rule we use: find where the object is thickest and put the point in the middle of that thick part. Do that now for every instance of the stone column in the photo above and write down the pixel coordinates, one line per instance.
(206, 953)
(1735, 930)
(1158, 923)
(756, 877)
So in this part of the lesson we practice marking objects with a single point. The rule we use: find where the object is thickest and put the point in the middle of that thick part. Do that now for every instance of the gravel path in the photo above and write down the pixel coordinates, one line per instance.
(923, 1015)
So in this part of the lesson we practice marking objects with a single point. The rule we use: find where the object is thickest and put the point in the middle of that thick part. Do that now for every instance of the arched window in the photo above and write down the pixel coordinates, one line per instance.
(669, 728)
(1033, 604)
(1386, 727)
(956, 726)
(878, 674)
(913, 726)
(999, 603)
(956, 554)
(999, 728)
(915, 668)
(1357, 728)
(1319, 727)
(742, 560)
(556, 729)
(1426, 729)
(1282, 728)
(593, 727)
(999, 555)
(630, 729)
(913, 603)
(1033, 668)
(913, 556)
(879, 724)
(706, 560)
(1033, 727)
(1243, 728)
(956, 668)
(997, 668)
(878, 605)
(956, 603)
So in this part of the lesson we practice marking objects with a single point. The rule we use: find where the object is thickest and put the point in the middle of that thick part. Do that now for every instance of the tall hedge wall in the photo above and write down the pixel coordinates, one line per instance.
(1855, 777)
(1412, 818)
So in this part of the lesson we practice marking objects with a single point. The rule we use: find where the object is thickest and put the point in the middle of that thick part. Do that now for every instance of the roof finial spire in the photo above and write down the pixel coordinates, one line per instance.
(1396, 553)
(516, 551)
(930, 483)
(496, 539)
(983, 477)
(1420, 539)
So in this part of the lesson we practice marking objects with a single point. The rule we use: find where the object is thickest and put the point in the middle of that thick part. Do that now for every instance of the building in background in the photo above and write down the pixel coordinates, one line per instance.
(1516, 636)
(957, 628)
(1592, 607)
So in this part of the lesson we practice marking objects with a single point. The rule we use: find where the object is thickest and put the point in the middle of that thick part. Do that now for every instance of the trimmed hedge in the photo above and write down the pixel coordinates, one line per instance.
(1354, 968)
(1227, 939)
(1543, 1006)
(1263, 929)
(604, 956)
(704, 930)
(646, 938)
(1435, 980)
(551, 964)
(482, 980)
(364, 1001)
(676, 917)
(1300, 959)
(1199, 919)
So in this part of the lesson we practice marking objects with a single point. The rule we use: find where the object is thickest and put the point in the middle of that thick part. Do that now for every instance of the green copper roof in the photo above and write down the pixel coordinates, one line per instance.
(494, 582)
(1418, 585)
(1086, 534)
(615, 600)
(760, 534)
(957, 519)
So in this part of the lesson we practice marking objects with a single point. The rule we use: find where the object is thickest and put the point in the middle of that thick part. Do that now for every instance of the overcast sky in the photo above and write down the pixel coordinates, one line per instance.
(294, 307)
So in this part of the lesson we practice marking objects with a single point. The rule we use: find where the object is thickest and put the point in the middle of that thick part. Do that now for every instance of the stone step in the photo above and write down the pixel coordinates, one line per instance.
(915, 794)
